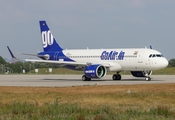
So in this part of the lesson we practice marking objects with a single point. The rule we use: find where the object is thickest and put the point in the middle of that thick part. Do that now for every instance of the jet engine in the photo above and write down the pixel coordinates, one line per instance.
(95, 71)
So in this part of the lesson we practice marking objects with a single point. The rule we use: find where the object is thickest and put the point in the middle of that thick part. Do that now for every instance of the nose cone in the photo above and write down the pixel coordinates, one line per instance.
(164, 63)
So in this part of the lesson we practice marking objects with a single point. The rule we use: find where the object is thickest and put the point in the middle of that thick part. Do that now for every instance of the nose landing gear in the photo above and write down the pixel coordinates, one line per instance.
(147, 77)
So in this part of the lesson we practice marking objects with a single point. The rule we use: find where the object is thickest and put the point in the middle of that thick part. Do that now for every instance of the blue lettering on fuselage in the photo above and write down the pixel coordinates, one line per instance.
(121, 55)
(111, 55)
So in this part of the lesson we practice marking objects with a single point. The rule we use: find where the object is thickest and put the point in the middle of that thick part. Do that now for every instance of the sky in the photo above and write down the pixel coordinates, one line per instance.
(88, 23)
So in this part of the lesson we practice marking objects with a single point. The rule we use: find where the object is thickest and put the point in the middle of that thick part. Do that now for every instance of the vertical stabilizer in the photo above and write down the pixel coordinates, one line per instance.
(49, 42)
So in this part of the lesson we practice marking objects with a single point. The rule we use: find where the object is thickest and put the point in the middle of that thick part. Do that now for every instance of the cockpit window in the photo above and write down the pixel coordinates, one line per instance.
(150, 55)
(155, 55)
(158, 55)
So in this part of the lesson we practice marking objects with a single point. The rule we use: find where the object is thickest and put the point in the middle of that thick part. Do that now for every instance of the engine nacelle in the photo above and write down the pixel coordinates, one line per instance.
(95, 71)
(141, 73)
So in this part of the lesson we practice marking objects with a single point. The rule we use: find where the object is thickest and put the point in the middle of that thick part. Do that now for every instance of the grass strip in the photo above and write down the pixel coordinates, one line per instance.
(143, 102)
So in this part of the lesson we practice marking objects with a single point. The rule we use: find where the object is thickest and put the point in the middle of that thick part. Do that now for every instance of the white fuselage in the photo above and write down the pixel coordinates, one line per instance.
(136, 59)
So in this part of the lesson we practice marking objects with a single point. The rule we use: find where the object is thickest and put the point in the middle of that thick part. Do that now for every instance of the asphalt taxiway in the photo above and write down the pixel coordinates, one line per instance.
(75, 80)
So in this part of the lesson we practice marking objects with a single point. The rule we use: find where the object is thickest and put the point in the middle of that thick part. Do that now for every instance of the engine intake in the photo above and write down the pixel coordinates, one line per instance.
(95, 71)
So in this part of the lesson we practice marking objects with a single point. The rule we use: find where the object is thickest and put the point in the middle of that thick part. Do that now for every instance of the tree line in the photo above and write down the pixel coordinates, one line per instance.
(19, 66)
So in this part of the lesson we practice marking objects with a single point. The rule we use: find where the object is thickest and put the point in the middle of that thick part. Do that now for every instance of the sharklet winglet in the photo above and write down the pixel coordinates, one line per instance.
(11, 53)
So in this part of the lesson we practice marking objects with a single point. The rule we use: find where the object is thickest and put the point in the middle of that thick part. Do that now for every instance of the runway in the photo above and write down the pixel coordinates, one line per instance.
(75, 80)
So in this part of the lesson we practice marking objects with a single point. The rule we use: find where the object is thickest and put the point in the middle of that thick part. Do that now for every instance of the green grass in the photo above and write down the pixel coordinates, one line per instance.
(57, 111)
(144, 102)
(166, 71)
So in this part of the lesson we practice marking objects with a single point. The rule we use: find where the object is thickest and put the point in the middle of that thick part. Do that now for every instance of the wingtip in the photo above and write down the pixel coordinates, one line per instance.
(11, 52)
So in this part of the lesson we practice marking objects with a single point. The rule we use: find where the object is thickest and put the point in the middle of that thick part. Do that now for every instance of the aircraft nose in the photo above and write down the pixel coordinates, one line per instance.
(164, 63)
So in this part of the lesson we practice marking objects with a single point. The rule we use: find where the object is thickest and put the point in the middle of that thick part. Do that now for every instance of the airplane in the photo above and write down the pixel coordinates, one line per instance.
(97, 62)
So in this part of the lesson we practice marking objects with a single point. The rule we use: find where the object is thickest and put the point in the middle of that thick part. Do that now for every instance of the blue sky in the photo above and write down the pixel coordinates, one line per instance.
(88, 23)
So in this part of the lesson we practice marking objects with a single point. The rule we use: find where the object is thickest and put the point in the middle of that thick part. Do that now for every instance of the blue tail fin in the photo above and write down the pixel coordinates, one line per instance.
(49, 42)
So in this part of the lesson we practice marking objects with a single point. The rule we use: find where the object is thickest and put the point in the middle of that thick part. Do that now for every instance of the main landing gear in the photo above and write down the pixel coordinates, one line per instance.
(116, 76)
(85, 78)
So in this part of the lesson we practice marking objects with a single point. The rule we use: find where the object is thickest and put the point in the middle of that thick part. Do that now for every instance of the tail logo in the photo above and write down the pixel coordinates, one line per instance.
(47, 38)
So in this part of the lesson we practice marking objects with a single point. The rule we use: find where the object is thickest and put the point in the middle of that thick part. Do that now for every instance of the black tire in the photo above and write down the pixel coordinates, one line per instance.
(88, 79)
(119, 77)
(84, 78)
(148, 78)
(114, 77)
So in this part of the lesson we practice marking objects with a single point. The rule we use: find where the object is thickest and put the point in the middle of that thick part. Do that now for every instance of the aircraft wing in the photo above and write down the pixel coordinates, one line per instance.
(29, 54)
(66, 62)
(53, 61)
(37, 55)
(14, 57)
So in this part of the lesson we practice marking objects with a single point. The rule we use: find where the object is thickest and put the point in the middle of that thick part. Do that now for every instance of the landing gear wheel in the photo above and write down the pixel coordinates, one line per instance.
(147, 78)
(116, 77)
(88, 79)
(85, 78)
(119, 77)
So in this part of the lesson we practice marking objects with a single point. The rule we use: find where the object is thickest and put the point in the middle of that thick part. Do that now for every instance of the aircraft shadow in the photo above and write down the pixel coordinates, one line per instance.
(99, 80)
(140, 80)
(75, 80)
